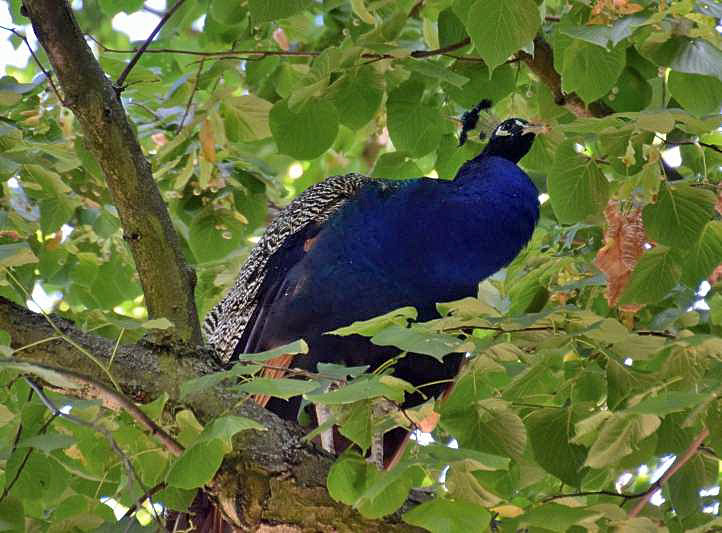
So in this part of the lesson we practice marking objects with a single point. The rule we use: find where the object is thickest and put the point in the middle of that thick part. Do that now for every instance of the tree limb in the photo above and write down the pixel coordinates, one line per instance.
(167, 280)
(271, 477)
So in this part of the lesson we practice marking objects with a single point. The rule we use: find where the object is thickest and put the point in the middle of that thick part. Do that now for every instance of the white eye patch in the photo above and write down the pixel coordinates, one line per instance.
(502, 132)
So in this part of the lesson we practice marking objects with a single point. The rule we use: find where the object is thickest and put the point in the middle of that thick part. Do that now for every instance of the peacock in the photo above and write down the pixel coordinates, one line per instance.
(352, 247)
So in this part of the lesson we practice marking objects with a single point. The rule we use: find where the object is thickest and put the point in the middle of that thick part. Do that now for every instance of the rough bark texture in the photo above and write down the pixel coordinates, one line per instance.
(272, 477)
(167, 280)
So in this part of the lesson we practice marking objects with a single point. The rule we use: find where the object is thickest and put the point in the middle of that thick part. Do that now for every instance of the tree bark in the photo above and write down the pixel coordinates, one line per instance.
(167, 280)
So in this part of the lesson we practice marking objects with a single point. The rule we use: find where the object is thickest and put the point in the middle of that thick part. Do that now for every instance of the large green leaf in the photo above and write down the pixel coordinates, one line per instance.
(246, 118)
(549, 436)
(197, 465)
(577, 187)
(498, 29)
(267, 10)
(698, 94)
(448, 516)
(306, 133)
(679, 214)
(705, 255)
(656, 273)
(591, 71)
(414, 127)
(618, 437)
(357, 95)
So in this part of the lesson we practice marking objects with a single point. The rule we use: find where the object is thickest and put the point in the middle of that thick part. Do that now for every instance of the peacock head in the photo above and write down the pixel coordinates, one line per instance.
(512, 139)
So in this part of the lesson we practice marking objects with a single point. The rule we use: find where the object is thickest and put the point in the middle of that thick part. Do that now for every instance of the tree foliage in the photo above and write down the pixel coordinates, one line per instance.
(593, 355)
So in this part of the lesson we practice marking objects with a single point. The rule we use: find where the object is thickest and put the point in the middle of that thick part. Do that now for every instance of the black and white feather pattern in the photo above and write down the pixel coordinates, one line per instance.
(225, 323)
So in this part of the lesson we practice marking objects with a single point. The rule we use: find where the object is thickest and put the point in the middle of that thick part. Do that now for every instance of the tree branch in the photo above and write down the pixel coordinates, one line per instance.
(681, 460)
(119, 84)
(167, 280)
(268, 473)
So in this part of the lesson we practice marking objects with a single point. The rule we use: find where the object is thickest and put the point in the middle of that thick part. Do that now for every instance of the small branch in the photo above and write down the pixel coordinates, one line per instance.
(119, 83)
(260, 54)
(37, 61)
(678, 463)
(193, 93)
(146, 496)
(624, 497)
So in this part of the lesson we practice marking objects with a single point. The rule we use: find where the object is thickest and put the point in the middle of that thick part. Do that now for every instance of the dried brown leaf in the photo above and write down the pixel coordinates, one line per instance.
(623, 245)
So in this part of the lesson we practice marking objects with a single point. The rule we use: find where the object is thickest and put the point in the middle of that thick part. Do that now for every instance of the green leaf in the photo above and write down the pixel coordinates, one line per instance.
(705, 255)
(656, 273)
(12, 515)
(577, 187)
(679, 214)
(292, 348)
(591, 71)
(16, 254)
(549, 436)
(357, 96)
(446, 516)
(47, 442)
(556, 517)
(495, 87)
(212, 237)
(349, 477)
(668, 402)
(363, 388)
(498, 29)
(700, 95)
(307, 132)
(389, 491)
(372, 326)
(618, 437)
(414, 127)
(396, 165)
(278, 388)
(246, 118)
(197, 465)
(358, 425)
(489, 426)
(435, 70)
(267, 10)
(419, 340)
(225, 427)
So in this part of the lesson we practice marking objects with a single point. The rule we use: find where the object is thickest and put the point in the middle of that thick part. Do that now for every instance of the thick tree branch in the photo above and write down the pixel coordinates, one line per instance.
(271, 477)
(167, 280)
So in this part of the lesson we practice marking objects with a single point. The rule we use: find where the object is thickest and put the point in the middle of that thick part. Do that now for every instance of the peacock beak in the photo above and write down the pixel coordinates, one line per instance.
(536, 129)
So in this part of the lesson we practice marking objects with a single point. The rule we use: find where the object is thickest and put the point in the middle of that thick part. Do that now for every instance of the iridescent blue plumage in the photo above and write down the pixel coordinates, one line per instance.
(384, 245)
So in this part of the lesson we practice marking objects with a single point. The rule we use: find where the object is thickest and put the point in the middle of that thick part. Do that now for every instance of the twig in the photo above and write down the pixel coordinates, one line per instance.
(241, 54)
(193, 93)
(146, 496)
(37, 61)
(121, 79)
(625, 497)
(678, 463)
